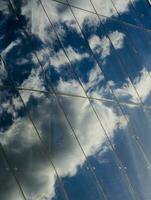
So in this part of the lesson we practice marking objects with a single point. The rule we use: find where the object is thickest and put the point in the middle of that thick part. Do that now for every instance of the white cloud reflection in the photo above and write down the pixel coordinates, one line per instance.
(109, 8)
(65, 151)
(63, 147)
(102, 46)
(59, 59)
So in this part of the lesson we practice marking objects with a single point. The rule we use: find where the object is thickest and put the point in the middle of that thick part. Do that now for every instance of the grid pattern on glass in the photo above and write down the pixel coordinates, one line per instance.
(98, 108)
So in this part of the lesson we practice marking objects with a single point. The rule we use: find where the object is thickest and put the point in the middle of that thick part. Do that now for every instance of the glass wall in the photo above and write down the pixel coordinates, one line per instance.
(75, 100)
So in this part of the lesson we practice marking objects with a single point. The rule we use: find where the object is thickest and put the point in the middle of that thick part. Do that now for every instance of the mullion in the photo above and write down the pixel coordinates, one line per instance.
(135, 51)
(71, 95)
(114, 19)
(118, 56)
(141, 104)
(27, 35)
(137, 143)
(98, 118)
(41, 140)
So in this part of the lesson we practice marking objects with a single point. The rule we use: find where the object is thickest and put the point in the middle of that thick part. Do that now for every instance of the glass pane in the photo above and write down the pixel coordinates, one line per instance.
(130, 57)
(143, 12)
(110, 47)
(57, 67)
(62, 145)
(97, 147)
(75, 111)
(84, 4)
(111, 8)
(136, 115)
(17, 52)
(136, 12)
(127, 147)
(85, 66)
(24, 150)
(129, 15)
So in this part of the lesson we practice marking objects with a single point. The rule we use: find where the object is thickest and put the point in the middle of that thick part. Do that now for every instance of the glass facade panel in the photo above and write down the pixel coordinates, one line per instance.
(24, 150)
(127, 146)
(64, 146)
(75, 101)
(100, 150)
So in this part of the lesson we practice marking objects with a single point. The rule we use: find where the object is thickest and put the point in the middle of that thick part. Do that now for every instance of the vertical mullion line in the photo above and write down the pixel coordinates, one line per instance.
(39, 137)
(12, 171)
(99, 186)
(141, 104)
(119, 162)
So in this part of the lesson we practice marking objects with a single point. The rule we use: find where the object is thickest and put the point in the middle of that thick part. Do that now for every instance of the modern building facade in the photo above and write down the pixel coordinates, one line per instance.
(75, 100)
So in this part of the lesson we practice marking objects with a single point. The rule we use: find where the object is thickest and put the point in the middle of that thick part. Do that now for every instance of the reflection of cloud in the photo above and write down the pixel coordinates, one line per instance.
(20, 140)
(75, 56)
(33, 10)
(3, 73)
(9, 105)
(6, 106)
(26, 140)
(122, 6)
(59, 58)
(103, 45)
(4, 7)
(107, 8)
(36, 176)
(108, 114)
(34, 81)
(100, 45)
(81, 4)
(142, 83)
(70, 87)
(10, 47)
(117, 39)
(94, 86)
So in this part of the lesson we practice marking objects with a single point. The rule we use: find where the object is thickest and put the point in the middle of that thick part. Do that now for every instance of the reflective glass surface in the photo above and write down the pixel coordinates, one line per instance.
(75, 100)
